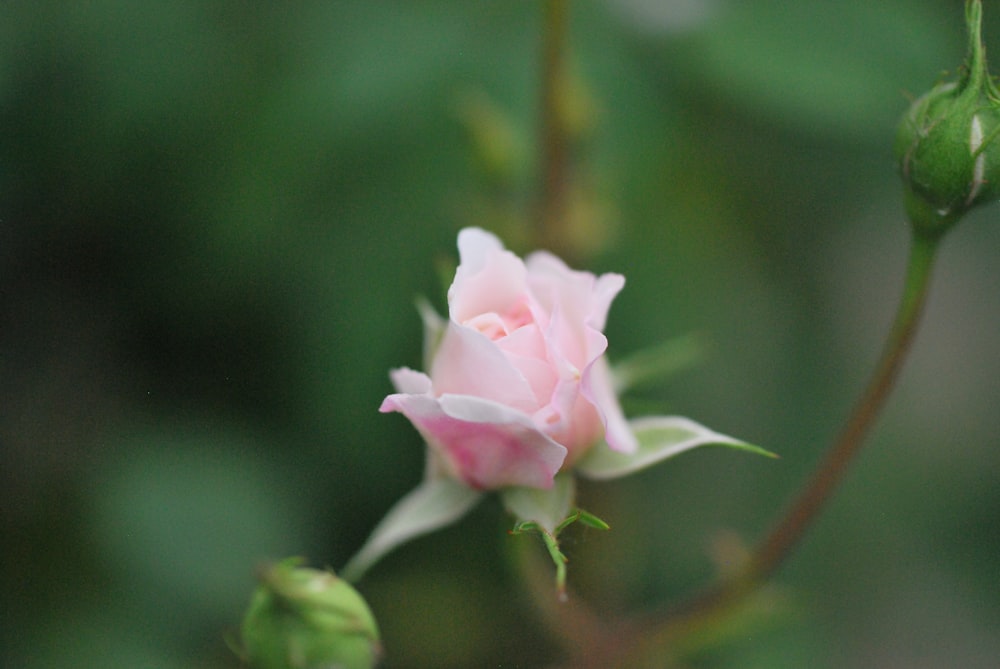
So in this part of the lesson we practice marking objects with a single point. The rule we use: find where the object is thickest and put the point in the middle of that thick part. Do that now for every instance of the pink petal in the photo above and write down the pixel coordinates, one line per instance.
(485, 444)
(577, 302)
(598, 388)
(586, 298)
(605, 290)
(488, 279)
(469, 363)
(406, 380)
(525, 350)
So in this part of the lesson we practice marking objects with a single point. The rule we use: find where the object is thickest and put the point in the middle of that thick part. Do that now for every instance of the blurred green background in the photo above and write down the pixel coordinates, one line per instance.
(215, 217)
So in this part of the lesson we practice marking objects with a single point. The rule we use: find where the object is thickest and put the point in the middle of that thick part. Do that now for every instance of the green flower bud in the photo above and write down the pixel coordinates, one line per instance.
(945, 144)
(302, 618)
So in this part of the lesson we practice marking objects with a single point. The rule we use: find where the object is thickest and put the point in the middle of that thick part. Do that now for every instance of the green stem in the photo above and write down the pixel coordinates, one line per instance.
(553, 143)
(559, 560)
(578, 628)
(789, 530)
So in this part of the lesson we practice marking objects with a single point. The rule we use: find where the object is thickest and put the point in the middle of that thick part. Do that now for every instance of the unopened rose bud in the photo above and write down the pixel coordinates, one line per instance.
(302, 618)
(946, 143)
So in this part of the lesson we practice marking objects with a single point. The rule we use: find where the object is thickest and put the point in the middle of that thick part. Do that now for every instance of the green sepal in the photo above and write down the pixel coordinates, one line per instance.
(547, 507)
(657, 362)
(547, 513)
(434, 327)
(434, 504)
(551, 540)
(660, 438)
(588, 519)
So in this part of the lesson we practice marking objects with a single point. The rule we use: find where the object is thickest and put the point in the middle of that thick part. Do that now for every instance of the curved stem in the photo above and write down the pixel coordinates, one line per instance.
(569, 620)
(786, 533)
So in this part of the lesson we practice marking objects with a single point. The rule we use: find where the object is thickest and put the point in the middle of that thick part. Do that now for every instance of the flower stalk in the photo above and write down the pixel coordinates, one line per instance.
(789, 530)
(554, 200)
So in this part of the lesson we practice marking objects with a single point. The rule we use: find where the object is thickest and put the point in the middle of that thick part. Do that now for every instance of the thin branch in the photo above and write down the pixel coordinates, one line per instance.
(718, 601)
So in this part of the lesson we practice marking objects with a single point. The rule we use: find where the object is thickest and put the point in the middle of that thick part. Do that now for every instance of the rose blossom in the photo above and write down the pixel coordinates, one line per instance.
(518, 387)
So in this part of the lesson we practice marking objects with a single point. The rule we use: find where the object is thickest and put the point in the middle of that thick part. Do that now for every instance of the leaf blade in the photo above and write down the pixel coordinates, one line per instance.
(660, 438)
(433, 504)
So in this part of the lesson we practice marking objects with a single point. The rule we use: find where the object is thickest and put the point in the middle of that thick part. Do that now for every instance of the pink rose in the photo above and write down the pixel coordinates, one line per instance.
(518, 387)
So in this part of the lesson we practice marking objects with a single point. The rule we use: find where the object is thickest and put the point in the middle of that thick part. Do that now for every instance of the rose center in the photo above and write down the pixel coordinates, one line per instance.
(497, 325)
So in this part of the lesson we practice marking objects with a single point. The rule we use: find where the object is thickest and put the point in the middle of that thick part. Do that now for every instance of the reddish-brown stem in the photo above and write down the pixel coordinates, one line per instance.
(785, 535)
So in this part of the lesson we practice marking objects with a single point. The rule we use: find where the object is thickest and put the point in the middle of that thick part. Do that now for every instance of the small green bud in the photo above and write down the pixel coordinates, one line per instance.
(945, 144)
(301, 618)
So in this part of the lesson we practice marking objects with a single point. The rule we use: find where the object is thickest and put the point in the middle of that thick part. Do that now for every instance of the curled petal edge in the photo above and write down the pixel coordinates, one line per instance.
(484, 444)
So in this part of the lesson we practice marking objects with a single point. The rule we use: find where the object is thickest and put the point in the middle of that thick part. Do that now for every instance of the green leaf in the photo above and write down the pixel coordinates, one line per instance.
(434, 504)
(660, 437)
(658, 362)
(774, 56)
(434, 327)
(548, 508)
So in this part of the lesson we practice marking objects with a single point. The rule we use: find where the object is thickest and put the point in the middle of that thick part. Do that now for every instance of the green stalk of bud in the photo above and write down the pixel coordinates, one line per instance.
(946, 143)
(301, 618)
